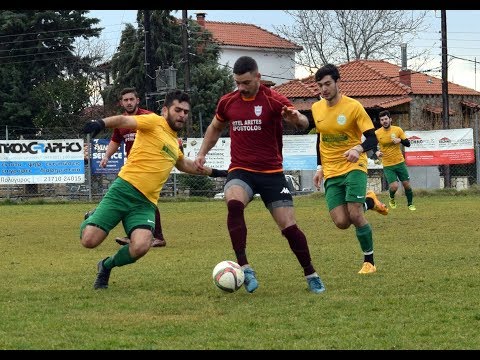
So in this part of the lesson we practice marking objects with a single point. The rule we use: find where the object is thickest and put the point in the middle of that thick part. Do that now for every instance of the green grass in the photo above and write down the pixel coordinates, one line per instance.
(423, 296)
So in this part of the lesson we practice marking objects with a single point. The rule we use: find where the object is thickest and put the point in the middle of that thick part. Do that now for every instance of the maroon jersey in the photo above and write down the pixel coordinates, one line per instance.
(256, 129)
(127, 135)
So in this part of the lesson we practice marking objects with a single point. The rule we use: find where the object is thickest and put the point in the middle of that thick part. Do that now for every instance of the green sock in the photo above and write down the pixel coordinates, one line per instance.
(122, 257)
(365, 238)
(409, 195)
(392, 194)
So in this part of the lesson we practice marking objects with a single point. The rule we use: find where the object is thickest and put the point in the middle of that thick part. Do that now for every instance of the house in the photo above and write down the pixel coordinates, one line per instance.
(414, 99)
(275, 55)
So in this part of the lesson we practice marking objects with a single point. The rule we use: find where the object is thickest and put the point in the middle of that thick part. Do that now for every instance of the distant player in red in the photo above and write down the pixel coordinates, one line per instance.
(255, 114)
(129, 101)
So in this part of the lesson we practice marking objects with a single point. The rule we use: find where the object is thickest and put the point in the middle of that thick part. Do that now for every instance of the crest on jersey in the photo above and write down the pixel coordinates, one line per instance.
(341, 119)
(258, 110)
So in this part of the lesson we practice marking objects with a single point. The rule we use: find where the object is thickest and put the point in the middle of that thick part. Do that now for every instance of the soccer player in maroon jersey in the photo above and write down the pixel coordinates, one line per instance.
(255, 115)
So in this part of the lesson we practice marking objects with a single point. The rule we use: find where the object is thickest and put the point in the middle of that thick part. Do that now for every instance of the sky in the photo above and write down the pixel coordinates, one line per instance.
(463, 35)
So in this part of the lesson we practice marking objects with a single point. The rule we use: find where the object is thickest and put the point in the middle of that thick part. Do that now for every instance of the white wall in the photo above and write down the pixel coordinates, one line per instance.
(278, 67)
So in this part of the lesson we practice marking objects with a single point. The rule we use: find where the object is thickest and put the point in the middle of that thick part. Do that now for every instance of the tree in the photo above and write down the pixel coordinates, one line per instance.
(37, 49)
(208, 80)
(60, 103)
(338, 36)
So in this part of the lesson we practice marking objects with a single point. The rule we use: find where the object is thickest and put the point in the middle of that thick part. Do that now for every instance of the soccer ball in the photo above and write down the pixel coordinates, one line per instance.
(228, 276)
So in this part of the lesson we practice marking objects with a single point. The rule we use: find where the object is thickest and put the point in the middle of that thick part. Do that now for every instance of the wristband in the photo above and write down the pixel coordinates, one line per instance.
(319, 168)
(218, 173)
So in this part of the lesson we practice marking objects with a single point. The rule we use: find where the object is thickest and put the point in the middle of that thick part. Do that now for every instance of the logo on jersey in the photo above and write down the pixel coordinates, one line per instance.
(341, 119)
(284, 191)
(258, 110)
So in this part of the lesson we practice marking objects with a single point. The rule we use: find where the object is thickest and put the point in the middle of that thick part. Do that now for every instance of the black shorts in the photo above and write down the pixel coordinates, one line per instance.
(272, 188)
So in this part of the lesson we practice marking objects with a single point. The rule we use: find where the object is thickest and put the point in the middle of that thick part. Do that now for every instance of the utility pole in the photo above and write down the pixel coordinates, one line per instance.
(186, 61)
(149, 101)
(446, 111)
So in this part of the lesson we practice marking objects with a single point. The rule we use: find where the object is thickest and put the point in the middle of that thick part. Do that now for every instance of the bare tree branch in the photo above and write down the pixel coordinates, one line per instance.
(338, 36)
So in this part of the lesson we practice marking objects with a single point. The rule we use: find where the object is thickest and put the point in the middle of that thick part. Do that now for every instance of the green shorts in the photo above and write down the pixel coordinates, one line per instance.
(343, 189)
(122, 202)
(394, 172)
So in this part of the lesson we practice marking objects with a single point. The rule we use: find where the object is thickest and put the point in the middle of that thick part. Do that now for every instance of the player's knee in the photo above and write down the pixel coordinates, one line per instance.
(92, 236)
(342, 224)
(88, 242)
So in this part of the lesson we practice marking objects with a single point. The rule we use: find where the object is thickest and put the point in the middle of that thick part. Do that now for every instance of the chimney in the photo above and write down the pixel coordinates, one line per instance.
(201, 18)
(404, 56)
(405, 75)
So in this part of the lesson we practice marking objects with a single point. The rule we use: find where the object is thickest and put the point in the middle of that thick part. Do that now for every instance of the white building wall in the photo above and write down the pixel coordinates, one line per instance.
(275, 66)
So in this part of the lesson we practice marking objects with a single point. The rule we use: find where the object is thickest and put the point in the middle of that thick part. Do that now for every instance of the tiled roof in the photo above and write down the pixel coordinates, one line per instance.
(383, 101)
(471, 104)
(298, 89)
(437, 109)
(375, 83)
(247, 35)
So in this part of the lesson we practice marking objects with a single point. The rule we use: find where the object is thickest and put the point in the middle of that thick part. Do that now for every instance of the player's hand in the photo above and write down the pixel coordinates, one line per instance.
(317, 179)
(93, 127)
(352, 155)
(103, 162)
(199, 162)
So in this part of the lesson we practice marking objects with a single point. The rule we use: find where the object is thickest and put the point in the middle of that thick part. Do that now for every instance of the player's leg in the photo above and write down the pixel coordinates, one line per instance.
(356, 182)
(280, 204)
(124, 202)
(404, 177)
(390, 173)
(336, 203)
(158, 239)
(238, 193)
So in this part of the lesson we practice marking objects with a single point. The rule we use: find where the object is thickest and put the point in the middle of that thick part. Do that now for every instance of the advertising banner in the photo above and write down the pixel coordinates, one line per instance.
(116, 161)
(440, 147)
(42, 161)
(299, 152)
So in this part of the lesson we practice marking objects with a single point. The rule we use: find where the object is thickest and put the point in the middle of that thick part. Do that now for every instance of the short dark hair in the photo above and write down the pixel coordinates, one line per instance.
(173, 95)
(384, 113)
(244, 64)
(128, 90)
(327, 69)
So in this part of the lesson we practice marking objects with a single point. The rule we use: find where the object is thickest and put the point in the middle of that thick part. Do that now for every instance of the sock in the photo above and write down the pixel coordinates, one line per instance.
(369, 204)
(237, 230)
(364, 236)
(409, 195)
(122, 257)
(392, 194)
(158, 233)
(298, 243)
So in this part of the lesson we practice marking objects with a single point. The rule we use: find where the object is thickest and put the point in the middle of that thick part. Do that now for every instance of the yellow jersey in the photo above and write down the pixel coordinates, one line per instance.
(392, 153)
(340, 128)
(154, 153)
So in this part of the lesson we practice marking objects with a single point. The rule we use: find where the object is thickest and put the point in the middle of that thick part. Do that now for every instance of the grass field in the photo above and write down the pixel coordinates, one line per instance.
(425, 294)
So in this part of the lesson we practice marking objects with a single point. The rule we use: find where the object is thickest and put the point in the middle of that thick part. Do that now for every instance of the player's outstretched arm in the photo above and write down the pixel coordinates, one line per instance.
(94, 127)
(211, 137)
(188, 166)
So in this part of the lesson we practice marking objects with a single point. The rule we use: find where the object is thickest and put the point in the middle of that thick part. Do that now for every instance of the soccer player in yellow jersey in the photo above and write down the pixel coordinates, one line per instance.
(394, 168)
(133, 196)
(340, 122)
